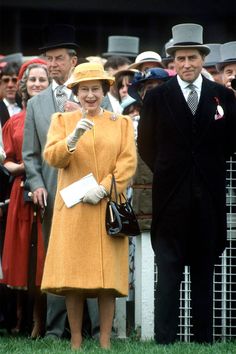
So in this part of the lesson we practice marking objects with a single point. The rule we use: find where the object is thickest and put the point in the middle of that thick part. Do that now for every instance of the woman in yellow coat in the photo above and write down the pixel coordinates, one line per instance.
(82, 260)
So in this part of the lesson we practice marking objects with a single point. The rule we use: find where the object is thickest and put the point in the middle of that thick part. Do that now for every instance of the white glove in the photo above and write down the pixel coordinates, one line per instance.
(2, 154)
(94, 195)
(82, 126)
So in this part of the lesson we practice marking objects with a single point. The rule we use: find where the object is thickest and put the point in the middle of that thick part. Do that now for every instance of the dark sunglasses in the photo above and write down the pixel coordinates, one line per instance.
(7, 79)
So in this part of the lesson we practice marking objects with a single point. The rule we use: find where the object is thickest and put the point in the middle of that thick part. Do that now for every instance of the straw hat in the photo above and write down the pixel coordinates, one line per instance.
(146, 57)
(187, 36)
(87, 72)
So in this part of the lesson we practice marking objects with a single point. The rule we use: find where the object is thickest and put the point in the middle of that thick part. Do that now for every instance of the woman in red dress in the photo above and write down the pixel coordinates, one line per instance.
(33, 78)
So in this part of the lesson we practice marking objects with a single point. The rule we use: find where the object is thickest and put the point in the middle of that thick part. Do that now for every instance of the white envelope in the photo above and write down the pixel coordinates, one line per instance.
(75, 192)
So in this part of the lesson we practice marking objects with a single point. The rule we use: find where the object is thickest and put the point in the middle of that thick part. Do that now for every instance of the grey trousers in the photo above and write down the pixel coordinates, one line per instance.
(56, 320)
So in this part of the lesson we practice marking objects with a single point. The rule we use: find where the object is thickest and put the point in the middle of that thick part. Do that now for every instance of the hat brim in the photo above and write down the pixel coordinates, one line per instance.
(167, 59)
(120, 54)
(72, 83)
(137, 65)
(208, 65)
(125, 72)
(59, 45)
(221, 65)
(203, 48)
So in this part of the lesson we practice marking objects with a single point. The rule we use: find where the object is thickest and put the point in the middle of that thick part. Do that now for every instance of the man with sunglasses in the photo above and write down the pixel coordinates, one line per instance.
(10, 104)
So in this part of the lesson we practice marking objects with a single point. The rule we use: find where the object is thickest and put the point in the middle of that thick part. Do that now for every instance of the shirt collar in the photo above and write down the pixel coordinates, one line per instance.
(197, 83)
(8, 104)
(66, 89)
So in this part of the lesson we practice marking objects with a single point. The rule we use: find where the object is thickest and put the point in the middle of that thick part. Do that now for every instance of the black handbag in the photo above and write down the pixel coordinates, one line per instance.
(120, 217)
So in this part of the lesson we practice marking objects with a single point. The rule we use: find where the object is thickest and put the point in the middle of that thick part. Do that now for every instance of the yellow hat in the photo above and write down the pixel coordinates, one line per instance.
(87, 72)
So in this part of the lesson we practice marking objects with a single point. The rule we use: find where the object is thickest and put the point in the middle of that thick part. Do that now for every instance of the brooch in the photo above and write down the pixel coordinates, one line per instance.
(219, 110)
(114, 116)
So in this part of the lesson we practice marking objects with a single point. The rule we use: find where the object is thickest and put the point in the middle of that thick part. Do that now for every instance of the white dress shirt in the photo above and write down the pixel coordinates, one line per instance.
(12, 108)
(67, 91)
(186, 90)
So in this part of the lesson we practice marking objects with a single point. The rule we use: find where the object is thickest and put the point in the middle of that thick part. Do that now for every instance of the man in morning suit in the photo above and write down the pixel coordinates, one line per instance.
(185, 135)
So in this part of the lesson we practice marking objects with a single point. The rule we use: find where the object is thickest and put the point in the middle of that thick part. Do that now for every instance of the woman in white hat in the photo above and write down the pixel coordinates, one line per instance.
(82, 260)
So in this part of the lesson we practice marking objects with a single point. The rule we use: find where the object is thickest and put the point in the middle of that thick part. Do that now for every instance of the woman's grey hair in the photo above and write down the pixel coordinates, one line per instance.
(22, 83)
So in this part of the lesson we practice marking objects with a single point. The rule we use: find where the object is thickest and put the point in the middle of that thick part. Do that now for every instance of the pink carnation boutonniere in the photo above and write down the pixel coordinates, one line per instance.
(219, 110)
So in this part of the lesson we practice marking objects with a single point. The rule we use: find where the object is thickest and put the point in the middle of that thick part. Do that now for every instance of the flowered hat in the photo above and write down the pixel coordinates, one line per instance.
(140, 78)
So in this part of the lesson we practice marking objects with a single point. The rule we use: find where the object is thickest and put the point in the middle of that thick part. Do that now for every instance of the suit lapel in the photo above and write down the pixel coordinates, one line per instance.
(47, 103)
(206, 108)
(4, 114)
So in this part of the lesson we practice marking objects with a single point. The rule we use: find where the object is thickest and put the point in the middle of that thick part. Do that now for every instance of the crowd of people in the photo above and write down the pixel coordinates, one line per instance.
(163, 126)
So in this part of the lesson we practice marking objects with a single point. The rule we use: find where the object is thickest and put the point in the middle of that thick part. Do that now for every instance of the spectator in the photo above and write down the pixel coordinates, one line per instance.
(185, 141)
(82, 260)
(33, 78)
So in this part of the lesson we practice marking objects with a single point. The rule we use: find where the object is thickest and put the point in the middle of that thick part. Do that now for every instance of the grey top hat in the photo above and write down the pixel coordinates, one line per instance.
(126, 46)
(187, 35)
(214, 57)
(14, 57)
(167, 58)
(228, 55)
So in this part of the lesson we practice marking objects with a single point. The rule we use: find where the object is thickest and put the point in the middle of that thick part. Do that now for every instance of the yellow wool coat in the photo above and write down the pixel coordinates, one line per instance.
(80, 254)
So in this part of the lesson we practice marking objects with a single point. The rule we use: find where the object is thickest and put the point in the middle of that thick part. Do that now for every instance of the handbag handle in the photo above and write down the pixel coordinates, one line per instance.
(113, 185)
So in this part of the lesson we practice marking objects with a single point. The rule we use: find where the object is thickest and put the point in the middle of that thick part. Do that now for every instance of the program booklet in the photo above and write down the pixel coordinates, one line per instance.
(74, 193)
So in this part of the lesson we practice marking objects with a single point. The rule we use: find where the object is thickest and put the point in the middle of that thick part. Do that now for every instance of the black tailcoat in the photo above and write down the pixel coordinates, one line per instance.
(187, 154)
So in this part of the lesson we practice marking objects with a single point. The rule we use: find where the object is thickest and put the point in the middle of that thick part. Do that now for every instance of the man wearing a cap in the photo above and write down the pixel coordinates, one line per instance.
(60, 53)
(185, 135)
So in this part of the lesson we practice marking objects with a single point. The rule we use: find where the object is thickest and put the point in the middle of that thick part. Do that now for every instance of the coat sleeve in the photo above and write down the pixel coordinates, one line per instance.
(126, 162)
(56, 152)
(31, 151)
(146, 131)
(230, 123)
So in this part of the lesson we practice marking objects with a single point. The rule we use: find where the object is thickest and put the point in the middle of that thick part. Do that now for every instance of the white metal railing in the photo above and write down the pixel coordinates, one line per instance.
(224, 297)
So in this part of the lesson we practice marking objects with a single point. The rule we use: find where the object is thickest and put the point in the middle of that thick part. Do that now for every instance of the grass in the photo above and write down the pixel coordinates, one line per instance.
(22, 345)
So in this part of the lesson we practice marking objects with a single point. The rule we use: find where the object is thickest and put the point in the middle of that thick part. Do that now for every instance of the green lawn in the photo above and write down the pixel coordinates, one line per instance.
(22, 345)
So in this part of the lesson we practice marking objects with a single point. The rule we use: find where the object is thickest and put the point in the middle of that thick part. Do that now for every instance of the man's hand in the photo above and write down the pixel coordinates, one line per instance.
(40, 197)
(70, 106)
